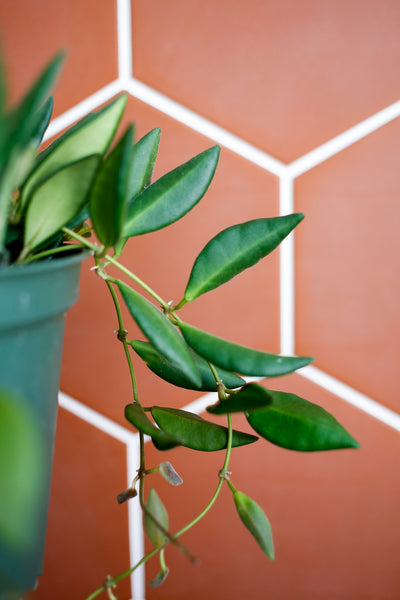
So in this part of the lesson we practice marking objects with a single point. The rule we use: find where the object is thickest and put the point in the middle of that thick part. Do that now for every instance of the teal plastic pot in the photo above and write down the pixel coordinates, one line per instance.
(34, 299)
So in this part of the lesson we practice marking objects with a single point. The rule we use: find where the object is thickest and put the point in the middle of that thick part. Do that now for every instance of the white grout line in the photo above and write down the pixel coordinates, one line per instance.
(136, 534)
(352, 396)
(124, 38)
(344, 140)
(96, 419)
(202, 125)
(286, 266)
(82, 108)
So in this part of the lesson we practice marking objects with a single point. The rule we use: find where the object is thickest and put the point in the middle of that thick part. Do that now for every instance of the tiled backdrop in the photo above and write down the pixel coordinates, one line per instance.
(303, 96)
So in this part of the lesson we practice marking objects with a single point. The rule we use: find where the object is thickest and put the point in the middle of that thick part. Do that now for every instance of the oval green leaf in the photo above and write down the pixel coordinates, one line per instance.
(58, 200)
(108, 198)
(141, 163)
(195, 432)
(160, 332)
(155, 513)
(234, 357)
(172, 196)
(137, 417)
(297, 424)
(256, 521)
(236, 249)
(169, 372)
(91, 135)
(251, 396)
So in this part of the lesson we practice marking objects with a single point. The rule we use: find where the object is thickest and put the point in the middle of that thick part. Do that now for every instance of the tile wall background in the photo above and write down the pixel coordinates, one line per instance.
(304, 99)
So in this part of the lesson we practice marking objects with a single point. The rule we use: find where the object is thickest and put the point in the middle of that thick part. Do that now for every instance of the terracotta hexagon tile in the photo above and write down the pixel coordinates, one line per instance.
(33, 32)
(240, 191)
(347, 258)
(285, 76)
(332, 515)
(87, 531)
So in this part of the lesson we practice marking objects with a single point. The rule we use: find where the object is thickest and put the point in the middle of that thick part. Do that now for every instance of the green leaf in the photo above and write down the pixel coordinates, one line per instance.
(58, 200)
(240, 359)
(156, 509)
(294, 423)
(251, 396)
(91, 135)
(167, 371)
(108, 199)
(160, 331)
(195, 432)
(159, 578)
(22, 474)
(135, 414)
(254, 518)
(173, 195)
(19, 121)
(236, 249)
(141, 162)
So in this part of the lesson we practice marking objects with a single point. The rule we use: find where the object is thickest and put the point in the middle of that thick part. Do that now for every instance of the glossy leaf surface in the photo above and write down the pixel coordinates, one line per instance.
(172, 196)
(156, 508)
(297, 424)
(58, 200)
(195, 432)
(108, 199)
(135, 414)
(160, 332)
(236, 249)
(256, 521)
(91, 135)
(141, 163)
(167, 371)
(251, 396)
(234, 357)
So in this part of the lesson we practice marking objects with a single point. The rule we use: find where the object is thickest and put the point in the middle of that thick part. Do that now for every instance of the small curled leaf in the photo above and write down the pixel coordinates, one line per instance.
(126, 495)
(160, 578)
(254, 518)
(169, 473)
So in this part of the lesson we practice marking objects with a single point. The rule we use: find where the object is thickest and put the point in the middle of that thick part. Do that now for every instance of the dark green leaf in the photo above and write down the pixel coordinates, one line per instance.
(254, 518)
(173, 195)
(294, 423)
(251, 396)
(195, 432)
(159, 578)
(240, 359)
(135, 414)
(141, 162)
(156, 509)
(235, 249)
(21, 120)
(91, 135)
(160, 331)
(167, 371)
(58, 200)
(108, 199)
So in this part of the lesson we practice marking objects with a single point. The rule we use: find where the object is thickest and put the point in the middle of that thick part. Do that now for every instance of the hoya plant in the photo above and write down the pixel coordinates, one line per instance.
(52, 201)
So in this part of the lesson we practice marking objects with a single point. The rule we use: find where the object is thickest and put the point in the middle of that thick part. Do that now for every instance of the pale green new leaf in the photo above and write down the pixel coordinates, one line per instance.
(235, 249)
(172, 196)
(58, 200)
(91, 135)
(108, 198)
(234, 357)
(160, 331)
(297, 424)
(256, 521)
(156, 509)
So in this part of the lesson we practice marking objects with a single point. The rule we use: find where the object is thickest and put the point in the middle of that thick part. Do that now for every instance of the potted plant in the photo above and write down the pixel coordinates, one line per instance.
(50, 204)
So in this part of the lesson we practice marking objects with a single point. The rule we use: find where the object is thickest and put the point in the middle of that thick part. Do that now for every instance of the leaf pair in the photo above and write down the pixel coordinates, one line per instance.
(182, 428)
